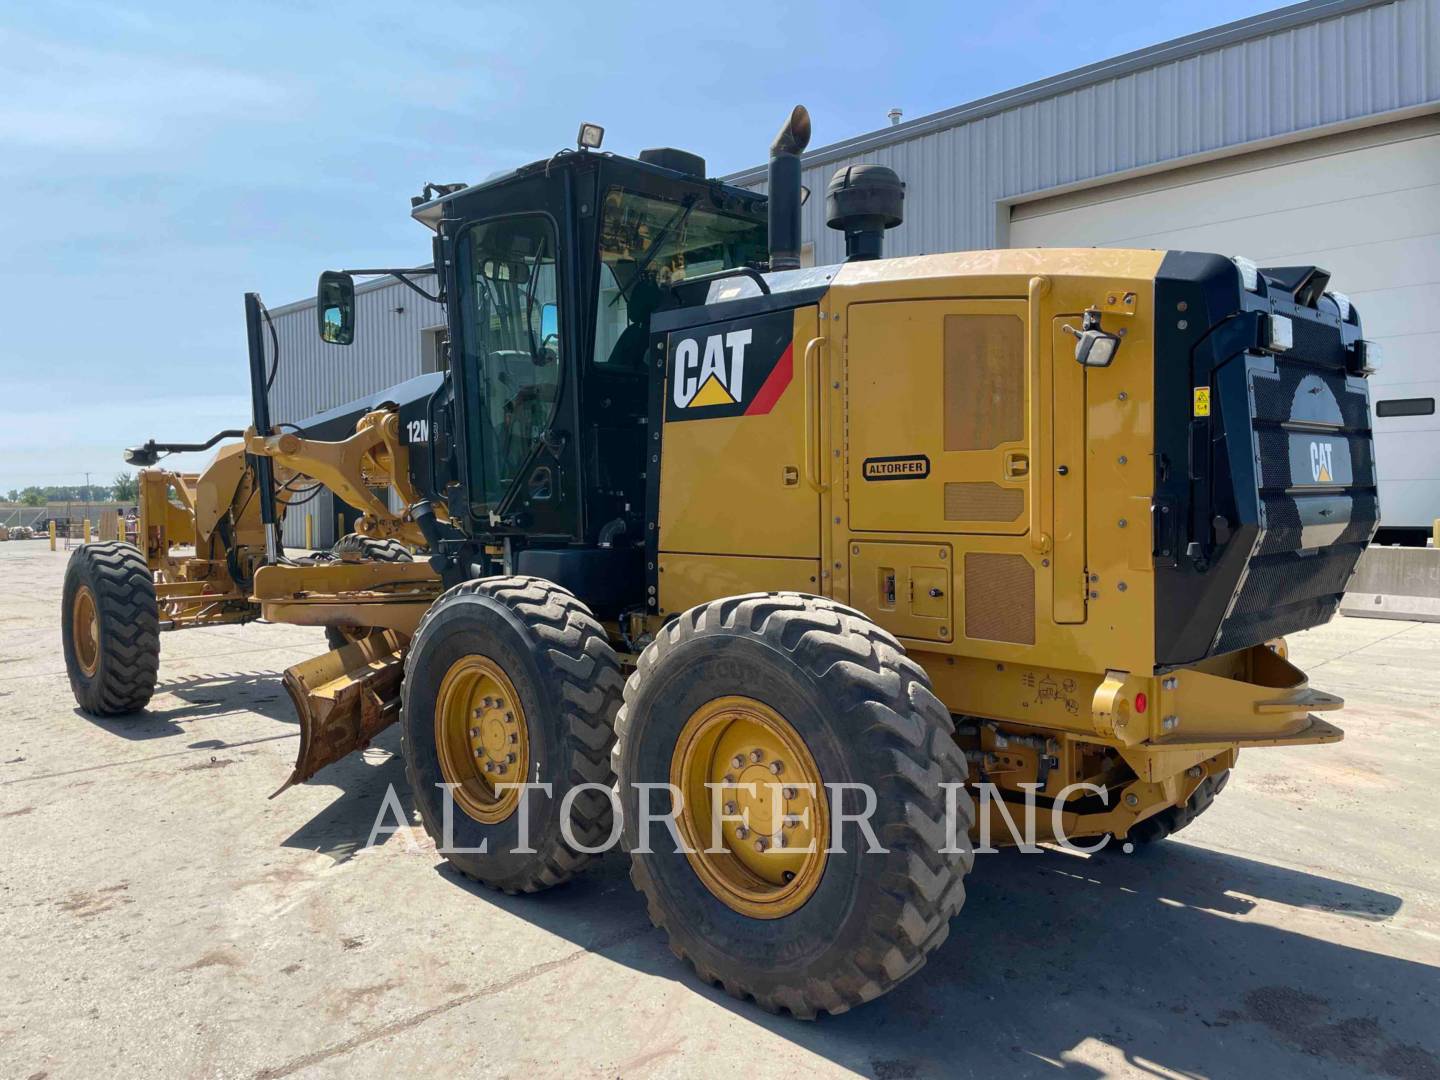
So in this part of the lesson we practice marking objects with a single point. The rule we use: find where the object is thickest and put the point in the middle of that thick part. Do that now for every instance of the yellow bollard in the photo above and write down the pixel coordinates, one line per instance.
(1435, 533)
(52, 534)
(85, 534)
(309, 532)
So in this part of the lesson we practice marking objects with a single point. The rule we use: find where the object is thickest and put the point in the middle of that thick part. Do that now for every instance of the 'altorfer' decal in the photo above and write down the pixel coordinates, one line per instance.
(898, 467)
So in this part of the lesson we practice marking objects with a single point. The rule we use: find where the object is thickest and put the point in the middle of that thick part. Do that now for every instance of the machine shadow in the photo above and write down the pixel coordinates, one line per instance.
(1148, 955)
(208, 695)
(344, 826)
(1181, 959)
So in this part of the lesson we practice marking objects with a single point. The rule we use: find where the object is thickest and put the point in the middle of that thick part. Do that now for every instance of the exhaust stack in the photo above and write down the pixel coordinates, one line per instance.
(784, 200)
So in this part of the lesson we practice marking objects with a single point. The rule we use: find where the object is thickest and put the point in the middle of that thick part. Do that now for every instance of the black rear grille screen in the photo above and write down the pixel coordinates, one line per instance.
(1314, 486)
(1264, 503)
(1284, 593)
(1317, 342)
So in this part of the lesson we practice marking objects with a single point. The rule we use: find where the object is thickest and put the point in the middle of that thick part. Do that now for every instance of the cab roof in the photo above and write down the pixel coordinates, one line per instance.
(431, 211)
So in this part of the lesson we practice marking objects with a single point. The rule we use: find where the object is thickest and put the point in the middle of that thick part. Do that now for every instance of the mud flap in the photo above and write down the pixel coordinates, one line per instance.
(343, 700)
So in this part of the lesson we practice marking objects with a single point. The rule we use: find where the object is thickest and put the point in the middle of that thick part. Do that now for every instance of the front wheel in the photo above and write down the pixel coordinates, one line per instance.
(353, 547)
(337, 637)
(110, 627)
(775, 718)
(511, 680)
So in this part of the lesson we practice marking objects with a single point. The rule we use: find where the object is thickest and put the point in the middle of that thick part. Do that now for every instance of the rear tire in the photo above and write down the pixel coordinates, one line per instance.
(110, 627)
(1168, 822)
(531, 644)
(866, 714)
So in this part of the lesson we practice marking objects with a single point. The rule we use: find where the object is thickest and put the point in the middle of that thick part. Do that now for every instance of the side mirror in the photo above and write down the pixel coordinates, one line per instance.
(335, 306)
(543, 323)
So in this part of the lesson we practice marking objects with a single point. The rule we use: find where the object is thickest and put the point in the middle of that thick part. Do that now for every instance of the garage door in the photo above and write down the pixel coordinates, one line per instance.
(1364, 205)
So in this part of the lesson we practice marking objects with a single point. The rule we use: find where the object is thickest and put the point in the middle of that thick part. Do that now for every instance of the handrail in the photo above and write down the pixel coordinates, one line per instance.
(733, 271)
(691, 291)
(1038, 288)
(812, 473)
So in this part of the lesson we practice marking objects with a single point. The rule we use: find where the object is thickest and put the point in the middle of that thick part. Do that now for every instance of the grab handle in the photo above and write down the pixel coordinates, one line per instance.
(1038, 288)
(809, 373)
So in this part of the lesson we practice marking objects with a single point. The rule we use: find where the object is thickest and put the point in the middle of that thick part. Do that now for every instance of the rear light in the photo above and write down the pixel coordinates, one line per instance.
(1141, 702)
(1342, 302)
(1368, 357)
(1279, 333)
(1249, 273)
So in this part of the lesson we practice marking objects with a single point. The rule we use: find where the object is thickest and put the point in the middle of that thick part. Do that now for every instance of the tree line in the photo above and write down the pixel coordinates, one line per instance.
(122, 489)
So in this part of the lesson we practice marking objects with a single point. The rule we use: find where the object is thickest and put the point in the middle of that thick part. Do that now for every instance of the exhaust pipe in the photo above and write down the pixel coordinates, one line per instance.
(784, 200)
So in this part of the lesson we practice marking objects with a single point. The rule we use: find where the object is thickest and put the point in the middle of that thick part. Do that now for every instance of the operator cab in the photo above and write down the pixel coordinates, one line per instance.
(552, 273)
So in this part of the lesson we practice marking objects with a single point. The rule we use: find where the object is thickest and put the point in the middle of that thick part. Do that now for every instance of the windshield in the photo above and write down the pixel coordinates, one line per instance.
(648, 242)
(508, 275)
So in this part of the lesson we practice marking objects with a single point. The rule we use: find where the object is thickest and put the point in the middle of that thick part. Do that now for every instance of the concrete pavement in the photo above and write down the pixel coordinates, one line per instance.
(160, 916)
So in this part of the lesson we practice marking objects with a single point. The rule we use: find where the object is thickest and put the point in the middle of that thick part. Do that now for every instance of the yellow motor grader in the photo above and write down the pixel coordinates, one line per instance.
(891, 550)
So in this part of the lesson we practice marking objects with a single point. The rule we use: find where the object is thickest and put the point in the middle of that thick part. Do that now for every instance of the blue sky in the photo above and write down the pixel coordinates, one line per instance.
(158, 160)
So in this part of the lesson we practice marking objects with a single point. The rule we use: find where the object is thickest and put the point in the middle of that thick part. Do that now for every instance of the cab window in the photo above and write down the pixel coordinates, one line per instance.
(646, 243)
(511, 342)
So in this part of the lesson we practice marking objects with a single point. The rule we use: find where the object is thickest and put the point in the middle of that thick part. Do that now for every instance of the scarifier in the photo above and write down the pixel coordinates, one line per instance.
(1010, 522)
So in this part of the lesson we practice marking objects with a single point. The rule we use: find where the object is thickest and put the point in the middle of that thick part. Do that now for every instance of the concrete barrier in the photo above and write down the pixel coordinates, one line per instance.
(1395, 583)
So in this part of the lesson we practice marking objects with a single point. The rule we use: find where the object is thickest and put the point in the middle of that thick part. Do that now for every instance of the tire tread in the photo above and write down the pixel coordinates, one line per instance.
(578, 655)
(862, 667)
(124, 591)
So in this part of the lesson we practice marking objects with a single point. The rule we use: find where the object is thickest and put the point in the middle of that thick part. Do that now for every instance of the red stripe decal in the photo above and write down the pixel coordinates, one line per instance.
(774, 384)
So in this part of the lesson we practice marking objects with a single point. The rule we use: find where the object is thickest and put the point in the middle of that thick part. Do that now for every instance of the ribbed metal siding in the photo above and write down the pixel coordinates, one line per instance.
(314, 376)
(1333, 69)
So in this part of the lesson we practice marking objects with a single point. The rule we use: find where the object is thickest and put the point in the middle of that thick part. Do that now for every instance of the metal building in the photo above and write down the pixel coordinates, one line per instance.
(398, 337)
(1310, 134)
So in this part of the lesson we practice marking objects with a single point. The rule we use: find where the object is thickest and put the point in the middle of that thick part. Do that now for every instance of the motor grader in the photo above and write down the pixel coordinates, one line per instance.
(867, 539)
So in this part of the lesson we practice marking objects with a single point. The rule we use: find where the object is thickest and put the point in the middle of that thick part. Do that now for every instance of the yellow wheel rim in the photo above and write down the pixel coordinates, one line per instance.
(482, 738)
(85, 630)
(770, 862)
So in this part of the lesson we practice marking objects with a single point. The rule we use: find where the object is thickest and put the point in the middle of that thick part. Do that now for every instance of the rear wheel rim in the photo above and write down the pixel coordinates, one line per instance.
(85, 630)
(770, 863)
(481, 738)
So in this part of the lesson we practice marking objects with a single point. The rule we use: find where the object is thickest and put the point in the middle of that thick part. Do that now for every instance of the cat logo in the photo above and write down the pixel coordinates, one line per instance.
(1322, 466)
(734, 368)
(714, 376)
